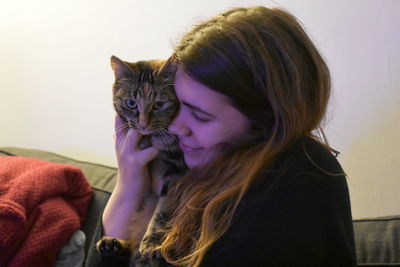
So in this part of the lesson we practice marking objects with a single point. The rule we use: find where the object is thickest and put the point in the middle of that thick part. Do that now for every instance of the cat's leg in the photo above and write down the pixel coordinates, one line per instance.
(152, 238)
(113, 247)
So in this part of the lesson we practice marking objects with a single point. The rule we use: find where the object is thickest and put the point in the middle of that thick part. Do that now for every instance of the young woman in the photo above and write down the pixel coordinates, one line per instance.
(263, 189)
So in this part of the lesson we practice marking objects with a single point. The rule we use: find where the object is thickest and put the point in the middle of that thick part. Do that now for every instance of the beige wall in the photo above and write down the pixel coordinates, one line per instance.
(55, 78)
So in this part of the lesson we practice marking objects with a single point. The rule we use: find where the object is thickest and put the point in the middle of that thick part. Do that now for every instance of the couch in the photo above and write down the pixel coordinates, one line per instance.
(377, 239)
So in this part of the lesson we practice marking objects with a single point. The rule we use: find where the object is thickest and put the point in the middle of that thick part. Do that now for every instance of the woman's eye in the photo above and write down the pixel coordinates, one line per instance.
(159, 105)
(200, 119)
(130, 103)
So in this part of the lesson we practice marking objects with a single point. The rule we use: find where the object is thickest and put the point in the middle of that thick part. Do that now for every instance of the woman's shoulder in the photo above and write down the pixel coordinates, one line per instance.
(307, 170)
(310, 156)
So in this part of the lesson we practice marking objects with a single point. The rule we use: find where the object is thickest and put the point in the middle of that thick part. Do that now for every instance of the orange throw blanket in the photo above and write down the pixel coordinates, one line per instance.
(42, 204)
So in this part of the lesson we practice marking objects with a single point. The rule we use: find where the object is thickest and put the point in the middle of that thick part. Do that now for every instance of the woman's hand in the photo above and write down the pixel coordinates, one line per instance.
(134, 177)
(133, 200)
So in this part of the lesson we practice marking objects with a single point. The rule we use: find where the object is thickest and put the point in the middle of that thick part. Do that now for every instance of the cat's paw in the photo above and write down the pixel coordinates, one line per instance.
(112, 247)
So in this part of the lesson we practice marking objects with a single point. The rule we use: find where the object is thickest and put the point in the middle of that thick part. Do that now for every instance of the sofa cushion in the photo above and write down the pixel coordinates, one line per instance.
(377, 241)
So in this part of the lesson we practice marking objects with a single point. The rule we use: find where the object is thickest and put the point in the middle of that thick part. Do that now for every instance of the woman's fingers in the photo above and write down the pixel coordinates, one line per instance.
(127, 142)
(148, 154)
(133, 138)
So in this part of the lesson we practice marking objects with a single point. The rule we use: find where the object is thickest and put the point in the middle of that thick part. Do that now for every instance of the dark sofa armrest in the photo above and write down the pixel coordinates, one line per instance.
(378, 241)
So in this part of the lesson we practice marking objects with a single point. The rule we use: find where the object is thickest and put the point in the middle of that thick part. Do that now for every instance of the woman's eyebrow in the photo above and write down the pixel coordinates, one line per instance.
(198, 109)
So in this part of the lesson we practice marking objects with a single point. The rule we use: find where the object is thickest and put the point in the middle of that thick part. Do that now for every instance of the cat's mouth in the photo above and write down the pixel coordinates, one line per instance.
(133, 126)
(145, 132)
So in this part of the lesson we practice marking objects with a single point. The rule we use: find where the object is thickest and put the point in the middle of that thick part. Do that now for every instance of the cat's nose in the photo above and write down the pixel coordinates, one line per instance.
(143, 125)
(143, 122)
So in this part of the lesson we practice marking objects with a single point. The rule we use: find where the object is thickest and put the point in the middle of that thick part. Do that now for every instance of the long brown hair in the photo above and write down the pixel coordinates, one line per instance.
(265, 63)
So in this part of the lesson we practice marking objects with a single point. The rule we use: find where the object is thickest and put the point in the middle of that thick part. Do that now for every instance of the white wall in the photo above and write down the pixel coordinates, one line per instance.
(55, 78)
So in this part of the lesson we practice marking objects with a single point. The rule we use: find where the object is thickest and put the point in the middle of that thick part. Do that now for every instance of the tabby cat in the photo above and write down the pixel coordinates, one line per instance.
(144, 98)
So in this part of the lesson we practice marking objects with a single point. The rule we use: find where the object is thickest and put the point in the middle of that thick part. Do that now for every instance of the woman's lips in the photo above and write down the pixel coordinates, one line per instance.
(187, 148)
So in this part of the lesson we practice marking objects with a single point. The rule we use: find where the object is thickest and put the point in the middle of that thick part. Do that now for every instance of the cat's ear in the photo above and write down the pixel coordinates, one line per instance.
(120, 68)
(169, 67)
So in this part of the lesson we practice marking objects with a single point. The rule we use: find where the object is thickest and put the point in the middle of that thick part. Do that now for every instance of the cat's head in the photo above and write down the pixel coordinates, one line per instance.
(143, 94)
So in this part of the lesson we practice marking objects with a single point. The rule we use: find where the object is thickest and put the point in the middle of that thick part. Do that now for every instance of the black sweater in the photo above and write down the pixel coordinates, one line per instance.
(296, 214)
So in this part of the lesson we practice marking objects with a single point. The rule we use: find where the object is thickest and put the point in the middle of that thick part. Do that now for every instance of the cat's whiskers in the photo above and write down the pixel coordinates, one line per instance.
(164, 129)
(168, 139)
(122, 127)
(163, 136)
(160, 125)
(126, 130)
(125, 135)
(160, 133)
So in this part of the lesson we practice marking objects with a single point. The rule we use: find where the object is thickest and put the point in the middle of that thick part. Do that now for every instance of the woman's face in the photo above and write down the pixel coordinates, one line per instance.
(206, 118)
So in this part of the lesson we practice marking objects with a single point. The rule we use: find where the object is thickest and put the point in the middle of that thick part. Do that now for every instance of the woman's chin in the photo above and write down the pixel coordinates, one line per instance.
(192, 162)
(197, 160)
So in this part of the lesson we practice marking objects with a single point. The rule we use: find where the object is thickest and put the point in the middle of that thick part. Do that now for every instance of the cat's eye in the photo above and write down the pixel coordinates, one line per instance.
(159, 105)
(130, 103)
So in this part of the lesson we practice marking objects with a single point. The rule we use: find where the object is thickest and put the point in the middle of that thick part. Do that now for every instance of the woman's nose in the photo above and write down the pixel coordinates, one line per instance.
(178, 126)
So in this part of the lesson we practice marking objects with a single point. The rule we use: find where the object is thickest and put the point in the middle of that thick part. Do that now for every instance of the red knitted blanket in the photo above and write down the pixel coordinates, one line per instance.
(42, 204)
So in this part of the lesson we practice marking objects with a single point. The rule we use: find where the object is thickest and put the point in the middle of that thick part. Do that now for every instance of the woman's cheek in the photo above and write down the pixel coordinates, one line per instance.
(208, 136)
